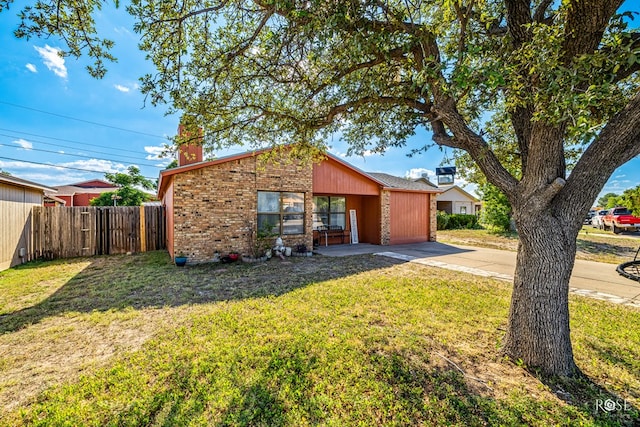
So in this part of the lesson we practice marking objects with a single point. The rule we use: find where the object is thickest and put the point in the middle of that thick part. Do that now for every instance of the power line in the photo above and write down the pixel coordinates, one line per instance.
(61, 167)
(80, 120)
(64, 140)
(80, 155)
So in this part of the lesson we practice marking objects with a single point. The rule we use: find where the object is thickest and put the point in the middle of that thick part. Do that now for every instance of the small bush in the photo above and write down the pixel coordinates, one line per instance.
(456, 221)
(442, 219)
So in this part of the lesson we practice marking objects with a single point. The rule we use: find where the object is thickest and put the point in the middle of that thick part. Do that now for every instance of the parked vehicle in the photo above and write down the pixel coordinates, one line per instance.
(596, 221)
(620, 219)
(589, 216)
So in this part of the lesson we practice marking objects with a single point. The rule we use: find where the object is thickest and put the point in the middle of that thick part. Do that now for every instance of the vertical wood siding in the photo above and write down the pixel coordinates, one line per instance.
(330, 177)
(409, 217)
(15, 222)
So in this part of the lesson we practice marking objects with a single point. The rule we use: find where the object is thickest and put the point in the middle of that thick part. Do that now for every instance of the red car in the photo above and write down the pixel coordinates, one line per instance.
(620, 219)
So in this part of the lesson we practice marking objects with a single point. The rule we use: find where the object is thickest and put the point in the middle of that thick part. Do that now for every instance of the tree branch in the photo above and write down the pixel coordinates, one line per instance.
(538, 15)
(337, 110)
(518, 19)
(617, 143)
(396, 53)
(585, 25)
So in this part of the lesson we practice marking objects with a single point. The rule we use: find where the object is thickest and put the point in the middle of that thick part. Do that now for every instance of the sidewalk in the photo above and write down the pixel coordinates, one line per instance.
(591, 279)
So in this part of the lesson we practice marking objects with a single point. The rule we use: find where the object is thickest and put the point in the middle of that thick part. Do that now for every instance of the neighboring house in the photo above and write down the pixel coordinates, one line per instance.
(81, 193)
(212, 206)
(17, 197)
(454, 200)
(51, 200)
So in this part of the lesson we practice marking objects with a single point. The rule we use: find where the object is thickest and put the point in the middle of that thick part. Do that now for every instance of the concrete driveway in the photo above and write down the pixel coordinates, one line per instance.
(592, 279)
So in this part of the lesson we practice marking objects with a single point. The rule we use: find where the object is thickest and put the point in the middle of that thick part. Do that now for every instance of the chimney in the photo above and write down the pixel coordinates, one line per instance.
(190, 152)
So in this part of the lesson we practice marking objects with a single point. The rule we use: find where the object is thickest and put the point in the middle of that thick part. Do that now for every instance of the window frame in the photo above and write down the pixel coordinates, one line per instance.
(329, 213)
(281, 212)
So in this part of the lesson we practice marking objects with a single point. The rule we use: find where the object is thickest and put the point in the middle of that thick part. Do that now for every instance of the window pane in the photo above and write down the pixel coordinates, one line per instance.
(268, 201)
(293, 224)
(338, 219)
(338, 204)
(269, 222)
(319, 220)
(293, 202)
(321, 204)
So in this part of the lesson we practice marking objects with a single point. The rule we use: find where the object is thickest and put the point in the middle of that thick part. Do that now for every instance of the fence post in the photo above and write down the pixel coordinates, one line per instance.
(143, 232)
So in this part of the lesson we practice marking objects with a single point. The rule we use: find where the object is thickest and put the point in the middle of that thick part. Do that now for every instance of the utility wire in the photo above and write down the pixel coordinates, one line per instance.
(80, 120)
(62, 167)
(64, 140)
(80, 155)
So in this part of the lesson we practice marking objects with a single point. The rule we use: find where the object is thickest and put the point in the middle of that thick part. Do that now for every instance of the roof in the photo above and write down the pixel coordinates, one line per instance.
(395, 182)
(455, 187)
(385, 180)
(426, 181)
(12, 180)
(53, 198)
(70, 190)
(93, 183)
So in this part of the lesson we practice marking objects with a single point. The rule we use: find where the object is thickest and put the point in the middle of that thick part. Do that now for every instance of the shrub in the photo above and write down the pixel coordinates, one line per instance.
(442, 219)
(456, 221)
(464, 221)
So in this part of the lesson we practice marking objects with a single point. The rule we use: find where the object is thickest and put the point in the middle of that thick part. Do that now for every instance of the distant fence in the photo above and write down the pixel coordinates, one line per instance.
(65, 232)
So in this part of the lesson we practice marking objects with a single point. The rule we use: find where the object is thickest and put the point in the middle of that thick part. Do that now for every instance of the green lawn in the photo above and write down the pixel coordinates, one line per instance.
(363, 340)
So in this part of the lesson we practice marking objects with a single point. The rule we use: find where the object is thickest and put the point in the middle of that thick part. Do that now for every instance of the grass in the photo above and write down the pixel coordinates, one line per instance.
(363, 340)
(593, 244)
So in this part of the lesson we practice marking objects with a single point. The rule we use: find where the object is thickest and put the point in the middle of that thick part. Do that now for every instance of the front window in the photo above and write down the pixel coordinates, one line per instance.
(329, 210)
(281, 212)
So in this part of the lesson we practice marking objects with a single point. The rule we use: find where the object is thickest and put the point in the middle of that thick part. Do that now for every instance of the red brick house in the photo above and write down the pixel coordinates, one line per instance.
(81, 193)
(211, 205)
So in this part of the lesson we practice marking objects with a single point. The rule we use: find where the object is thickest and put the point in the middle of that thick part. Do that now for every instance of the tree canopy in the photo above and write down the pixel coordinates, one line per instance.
(128, 193)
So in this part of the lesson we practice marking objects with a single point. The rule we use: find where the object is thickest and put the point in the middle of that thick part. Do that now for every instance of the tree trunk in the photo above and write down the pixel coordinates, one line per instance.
(538, 330)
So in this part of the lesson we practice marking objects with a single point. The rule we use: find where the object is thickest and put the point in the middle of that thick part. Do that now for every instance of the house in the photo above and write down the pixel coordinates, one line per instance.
(81, 193)
(213, 206)
(51, 200)
(17, 197)
(454, 199)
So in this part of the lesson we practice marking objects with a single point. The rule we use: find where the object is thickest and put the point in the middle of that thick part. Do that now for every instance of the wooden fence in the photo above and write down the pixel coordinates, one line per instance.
(65, 232)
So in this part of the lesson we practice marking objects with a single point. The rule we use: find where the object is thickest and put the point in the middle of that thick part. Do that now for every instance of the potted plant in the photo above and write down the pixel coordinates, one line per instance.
(180, 259)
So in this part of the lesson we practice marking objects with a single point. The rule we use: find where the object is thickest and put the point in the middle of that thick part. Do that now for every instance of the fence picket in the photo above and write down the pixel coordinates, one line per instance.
(63, 232)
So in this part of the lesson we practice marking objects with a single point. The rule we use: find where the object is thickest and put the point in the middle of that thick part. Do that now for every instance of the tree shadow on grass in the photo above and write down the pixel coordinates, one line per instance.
(390, 389)
(602, 406)
(150, 280)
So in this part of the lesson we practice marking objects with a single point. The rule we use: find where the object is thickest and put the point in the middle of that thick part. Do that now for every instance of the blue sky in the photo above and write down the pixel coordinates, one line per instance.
(53, 113)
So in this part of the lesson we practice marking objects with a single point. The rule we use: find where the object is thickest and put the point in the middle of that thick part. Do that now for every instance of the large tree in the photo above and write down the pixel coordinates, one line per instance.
(564, 74)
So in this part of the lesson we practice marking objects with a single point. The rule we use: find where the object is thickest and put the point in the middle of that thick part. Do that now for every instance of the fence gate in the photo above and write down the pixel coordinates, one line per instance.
(64, 232)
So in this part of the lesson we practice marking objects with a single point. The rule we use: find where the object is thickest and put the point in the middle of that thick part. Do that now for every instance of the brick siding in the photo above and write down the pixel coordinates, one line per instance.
(214, 206)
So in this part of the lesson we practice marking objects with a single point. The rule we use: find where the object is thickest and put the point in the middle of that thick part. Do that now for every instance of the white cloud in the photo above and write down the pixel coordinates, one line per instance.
(24, 144)
(31, 68)
(122, 30)
(156, 153)
(416, 173)
(97, 165)
(52, 59)
(366, 153)
(126, 88)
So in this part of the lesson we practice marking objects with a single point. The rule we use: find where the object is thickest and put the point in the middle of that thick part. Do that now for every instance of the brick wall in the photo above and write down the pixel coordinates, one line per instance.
(214, 206)
(433, 222)
(385, 217)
